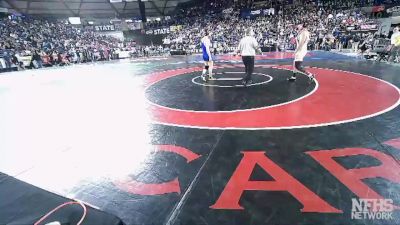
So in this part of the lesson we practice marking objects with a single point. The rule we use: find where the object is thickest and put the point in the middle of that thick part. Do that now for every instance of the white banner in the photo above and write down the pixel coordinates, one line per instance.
(256, 12)
(393, 9)
(349, 28)
(369, 26)
(158, 31)
(104, 28)
(270, 11)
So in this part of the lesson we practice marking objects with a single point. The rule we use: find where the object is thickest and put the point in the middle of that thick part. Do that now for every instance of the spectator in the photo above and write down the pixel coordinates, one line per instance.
(395, 42)
(37, 60)
(327, 25)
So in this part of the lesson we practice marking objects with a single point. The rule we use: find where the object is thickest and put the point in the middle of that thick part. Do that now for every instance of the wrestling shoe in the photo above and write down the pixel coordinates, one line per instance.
(311, 77)
(292, 79)
(204, 78)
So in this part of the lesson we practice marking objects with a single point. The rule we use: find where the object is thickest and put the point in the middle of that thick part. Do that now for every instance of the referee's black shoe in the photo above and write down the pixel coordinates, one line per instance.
(246, 82)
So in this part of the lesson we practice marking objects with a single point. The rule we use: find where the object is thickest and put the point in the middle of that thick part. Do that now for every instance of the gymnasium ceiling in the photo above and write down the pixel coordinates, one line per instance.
(90, 8)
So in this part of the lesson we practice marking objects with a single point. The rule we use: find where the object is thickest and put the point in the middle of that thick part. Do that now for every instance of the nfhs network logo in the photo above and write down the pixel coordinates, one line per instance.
(373, 209)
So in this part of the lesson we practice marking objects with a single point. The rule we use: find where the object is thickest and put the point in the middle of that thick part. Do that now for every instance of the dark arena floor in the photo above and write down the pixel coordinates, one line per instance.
(147, 141)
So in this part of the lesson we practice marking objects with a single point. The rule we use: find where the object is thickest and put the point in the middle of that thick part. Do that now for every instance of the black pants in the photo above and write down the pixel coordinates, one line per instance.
(299, 67)
(248, 62)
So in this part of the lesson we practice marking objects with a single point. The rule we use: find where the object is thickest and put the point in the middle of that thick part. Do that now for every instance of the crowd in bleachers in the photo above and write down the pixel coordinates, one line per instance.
(333, 24)
(325, 22)
(47, 43)
(36, 43)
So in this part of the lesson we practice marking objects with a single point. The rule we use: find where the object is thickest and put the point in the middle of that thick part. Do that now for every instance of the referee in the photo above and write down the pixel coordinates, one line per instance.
(247, 48)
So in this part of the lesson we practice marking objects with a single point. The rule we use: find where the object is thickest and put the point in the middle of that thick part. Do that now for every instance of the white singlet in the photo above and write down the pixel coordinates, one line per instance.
(301, 51)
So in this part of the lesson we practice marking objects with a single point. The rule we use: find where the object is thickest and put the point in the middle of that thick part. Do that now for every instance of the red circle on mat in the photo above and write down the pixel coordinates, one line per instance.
(341, 97)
